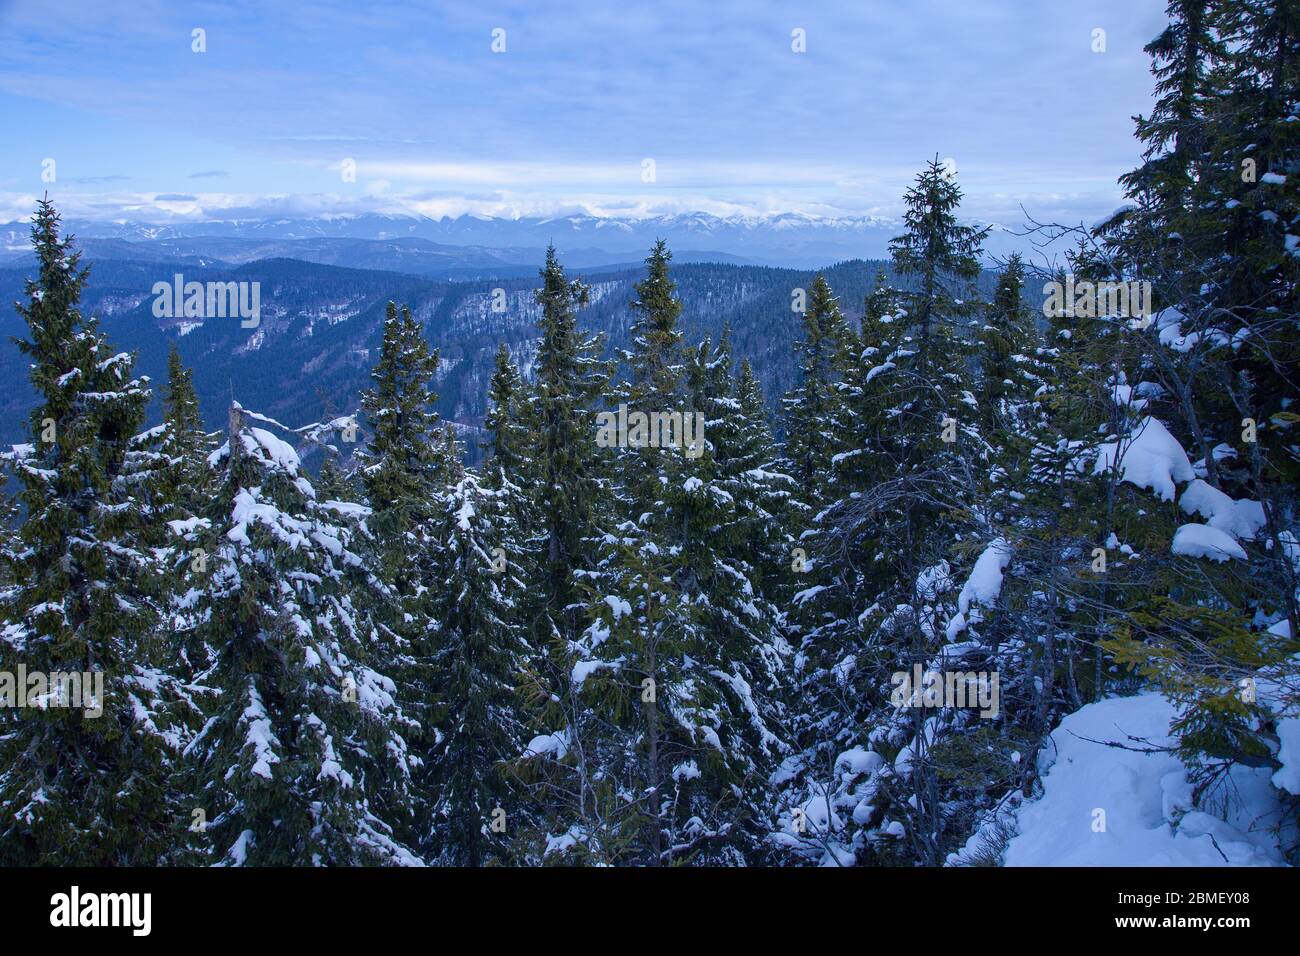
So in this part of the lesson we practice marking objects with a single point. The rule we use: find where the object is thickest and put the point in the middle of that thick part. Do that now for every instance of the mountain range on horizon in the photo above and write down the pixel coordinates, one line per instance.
(463, 247)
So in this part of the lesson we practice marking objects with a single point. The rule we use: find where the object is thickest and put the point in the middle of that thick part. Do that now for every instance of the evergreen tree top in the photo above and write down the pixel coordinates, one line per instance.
(935, 243)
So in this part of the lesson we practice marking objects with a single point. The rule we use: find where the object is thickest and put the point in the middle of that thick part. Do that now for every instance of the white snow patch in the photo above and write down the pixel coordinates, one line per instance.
(1203, 541)
(1240, 518)
(1143, 796)
(1150, 458)
(983, 586)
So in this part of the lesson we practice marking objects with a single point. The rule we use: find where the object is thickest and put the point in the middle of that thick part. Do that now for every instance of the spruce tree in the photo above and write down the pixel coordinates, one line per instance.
(566, 483)
(507, 446)
(179, 488)
(333, 483)
(83, 782)
(182, 443)
(403, 467)
(287, 770)
(814, 409)
(1003, 341)
(478, 661)
(747, 457)
(1214, 367)
(683, 664)
(569, 484)
(881, 585)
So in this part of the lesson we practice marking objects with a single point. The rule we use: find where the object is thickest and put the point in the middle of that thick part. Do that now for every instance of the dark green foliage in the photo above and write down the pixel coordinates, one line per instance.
(82, 785)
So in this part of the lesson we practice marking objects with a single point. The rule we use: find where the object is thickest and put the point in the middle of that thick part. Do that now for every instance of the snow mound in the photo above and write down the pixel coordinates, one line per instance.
(1151, 458)
(1240, 518)
(279, 452)
(1204, 541)
(982, 587)
(856, 760)
(584, 669)
(542, 744)
(1170, 322)
(1107, 806)
(1288, 776)
(985, 581)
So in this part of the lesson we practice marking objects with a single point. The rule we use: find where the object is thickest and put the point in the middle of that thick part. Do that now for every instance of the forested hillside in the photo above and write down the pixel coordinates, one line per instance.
(867, 618)
(320, 327)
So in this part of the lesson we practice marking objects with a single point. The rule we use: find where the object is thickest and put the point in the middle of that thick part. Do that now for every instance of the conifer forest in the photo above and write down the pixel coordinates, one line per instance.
(989, 557)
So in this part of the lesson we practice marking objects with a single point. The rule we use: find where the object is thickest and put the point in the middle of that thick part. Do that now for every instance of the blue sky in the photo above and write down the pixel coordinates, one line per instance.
(142, 127)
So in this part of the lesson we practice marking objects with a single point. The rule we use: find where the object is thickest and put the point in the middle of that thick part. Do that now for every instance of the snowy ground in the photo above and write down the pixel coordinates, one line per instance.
(1106, 806)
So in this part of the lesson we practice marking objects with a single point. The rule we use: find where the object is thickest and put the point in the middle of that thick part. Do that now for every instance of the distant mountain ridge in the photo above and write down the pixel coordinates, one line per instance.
(788, 239)
(411, 256)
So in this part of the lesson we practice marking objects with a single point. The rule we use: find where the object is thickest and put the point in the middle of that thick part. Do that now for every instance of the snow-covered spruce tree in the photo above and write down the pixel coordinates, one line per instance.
(334, 483)
(655, 368)
(654, 386)
(182, 445)
(649, 714)
(404, 469)
(508, 468)
(179, 488)
(656, 356)
(818, 444)
(619, 812)
(1252, 128)
(476, 667)
(674, 680)
(1213, 179)
(677, 678)
(1174, 134)
(735, 552)
(605, 722)
(1219, 361)
(287, 766)
(567, 476)
(940, 257)
(866, 784)
(1005, 345)
(567, 481)
(867, 393)
(563, 474)
(814, 409)
(746, 455)
(702, 522)
(1262, 287)
(83, 782)
(706, 516)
